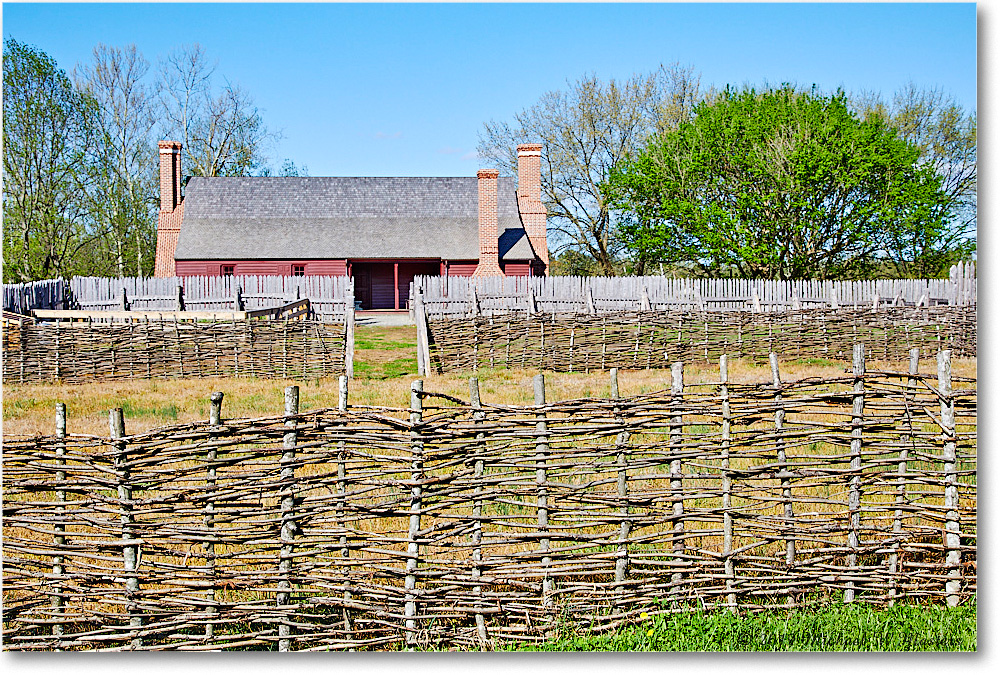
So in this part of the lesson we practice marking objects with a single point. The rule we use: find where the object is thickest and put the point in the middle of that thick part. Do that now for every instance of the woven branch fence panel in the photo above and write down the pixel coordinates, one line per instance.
(75, 352)
(462, 523)
(642, 340)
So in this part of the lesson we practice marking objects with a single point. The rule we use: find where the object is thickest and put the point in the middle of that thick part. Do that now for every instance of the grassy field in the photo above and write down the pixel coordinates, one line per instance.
(832, 628)
(385, 365)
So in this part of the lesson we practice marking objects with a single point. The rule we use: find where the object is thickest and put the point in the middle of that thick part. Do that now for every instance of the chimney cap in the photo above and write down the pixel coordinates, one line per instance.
(487, 173)
(172, 145)
(529, 149)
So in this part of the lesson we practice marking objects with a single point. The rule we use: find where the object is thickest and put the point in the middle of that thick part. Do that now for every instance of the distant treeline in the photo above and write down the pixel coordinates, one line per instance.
(80, 158)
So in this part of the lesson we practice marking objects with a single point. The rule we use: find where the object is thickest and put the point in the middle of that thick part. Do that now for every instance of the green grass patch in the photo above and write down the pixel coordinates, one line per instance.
(385, 370)
(852, 628)
(817, 361)
(166, 412)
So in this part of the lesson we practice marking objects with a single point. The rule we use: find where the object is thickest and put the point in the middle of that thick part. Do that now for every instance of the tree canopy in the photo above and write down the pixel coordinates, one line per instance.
(784, 184)
(585, 132)
(47, 132)
(81, 170)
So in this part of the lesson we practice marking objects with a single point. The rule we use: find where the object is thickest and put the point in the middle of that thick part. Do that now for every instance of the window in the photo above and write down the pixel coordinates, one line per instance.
(228, 270)
(298, 270)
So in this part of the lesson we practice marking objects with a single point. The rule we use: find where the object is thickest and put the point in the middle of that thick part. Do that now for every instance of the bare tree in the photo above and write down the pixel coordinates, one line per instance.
(185, 84)
(946, 136)
(123, 160)
(586, 132)
(221, 128)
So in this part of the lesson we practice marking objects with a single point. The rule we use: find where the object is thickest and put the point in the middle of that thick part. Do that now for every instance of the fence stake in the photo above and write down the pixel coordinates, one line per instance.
(477, 508)
(854, 498)
(676, 484)
(423, 349)
(622, 560)
(953, 541)
(130, 554)
(215, 420)
(342, 500)
(727, 486)
(783, 472)
(60, 526)
(416, 497)
(897, 522)
(288, 525)
(349, 319)
(541, 480)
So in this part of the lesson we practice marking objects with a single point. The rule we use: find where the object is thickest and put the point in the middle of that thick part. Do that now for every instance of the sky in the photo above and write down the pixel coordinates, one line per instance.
(404, 89)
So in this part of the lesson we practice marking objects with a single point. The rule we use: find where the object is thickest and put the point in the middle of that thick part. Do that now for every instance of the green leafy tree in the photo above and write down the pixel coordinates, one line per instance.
(586, 131)
(47, 131)
(781, 184)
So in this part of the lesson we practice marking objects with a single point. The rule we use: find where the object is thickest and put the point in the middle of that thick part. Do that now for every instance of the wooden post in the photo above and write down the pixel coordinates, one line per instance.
(215, 420)
(423, 348)
(130, 554)
(349, 339)
(897, 521)
(783, 472)
(676, 481)
(476, 311)
(477, 509)
(952, 538)
(541, 480)
(416, 498)
(625, 527)
(288, 525)
(345, 551)
(727, 487)
(854, 497)
(60, 527)
(591, 306)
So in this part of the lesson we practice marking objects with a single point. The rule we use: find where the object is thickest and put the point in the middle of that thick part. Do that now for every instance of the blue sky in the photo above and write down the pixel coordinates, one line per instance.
(404, 89)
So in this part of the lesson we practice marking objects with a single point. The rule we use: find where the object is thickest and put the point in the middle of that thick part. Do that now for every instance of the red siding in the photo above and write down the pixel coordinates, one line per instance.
(281, 267)
(517, 269)
(406, 273)
(462, 268)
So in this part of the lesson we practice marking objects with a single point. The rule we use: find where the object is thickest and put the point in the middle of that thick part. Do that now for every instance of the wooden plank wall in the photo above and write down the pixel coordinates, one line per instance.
(328, 295)
(451, 295)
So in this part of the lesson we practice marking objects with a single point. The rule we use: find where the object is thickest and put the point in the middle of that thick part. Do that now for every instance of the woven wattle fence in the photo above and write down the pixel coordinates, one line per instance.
(75, 352)
(463, 523)
(655, 339)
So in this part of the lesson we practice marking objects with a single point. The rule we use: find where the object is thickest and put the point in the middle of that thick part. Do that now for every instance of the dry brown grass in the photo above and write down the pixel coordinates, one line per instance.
(383, 379)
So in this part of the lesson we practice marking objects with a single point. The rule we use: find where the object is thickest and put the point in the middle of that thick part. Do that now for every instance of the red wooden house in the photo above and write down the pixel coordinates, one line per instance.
(381, 231)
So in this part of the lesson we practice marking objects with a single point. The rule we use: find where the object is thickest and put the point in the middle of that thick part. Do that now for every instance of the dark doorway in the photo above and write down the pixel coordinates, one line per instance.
(386, 285)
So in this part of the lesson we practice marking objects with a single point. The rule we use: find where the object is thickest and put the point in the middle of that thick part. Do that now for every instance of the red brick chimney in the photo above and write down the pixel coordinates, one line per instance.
(168, 226)
(529, 197)
(489, 261)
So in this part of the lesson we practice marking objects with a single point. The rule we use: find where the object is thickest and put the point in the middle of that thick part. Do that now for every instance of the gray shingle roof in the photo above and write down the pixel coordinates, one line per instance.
(248, 218)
